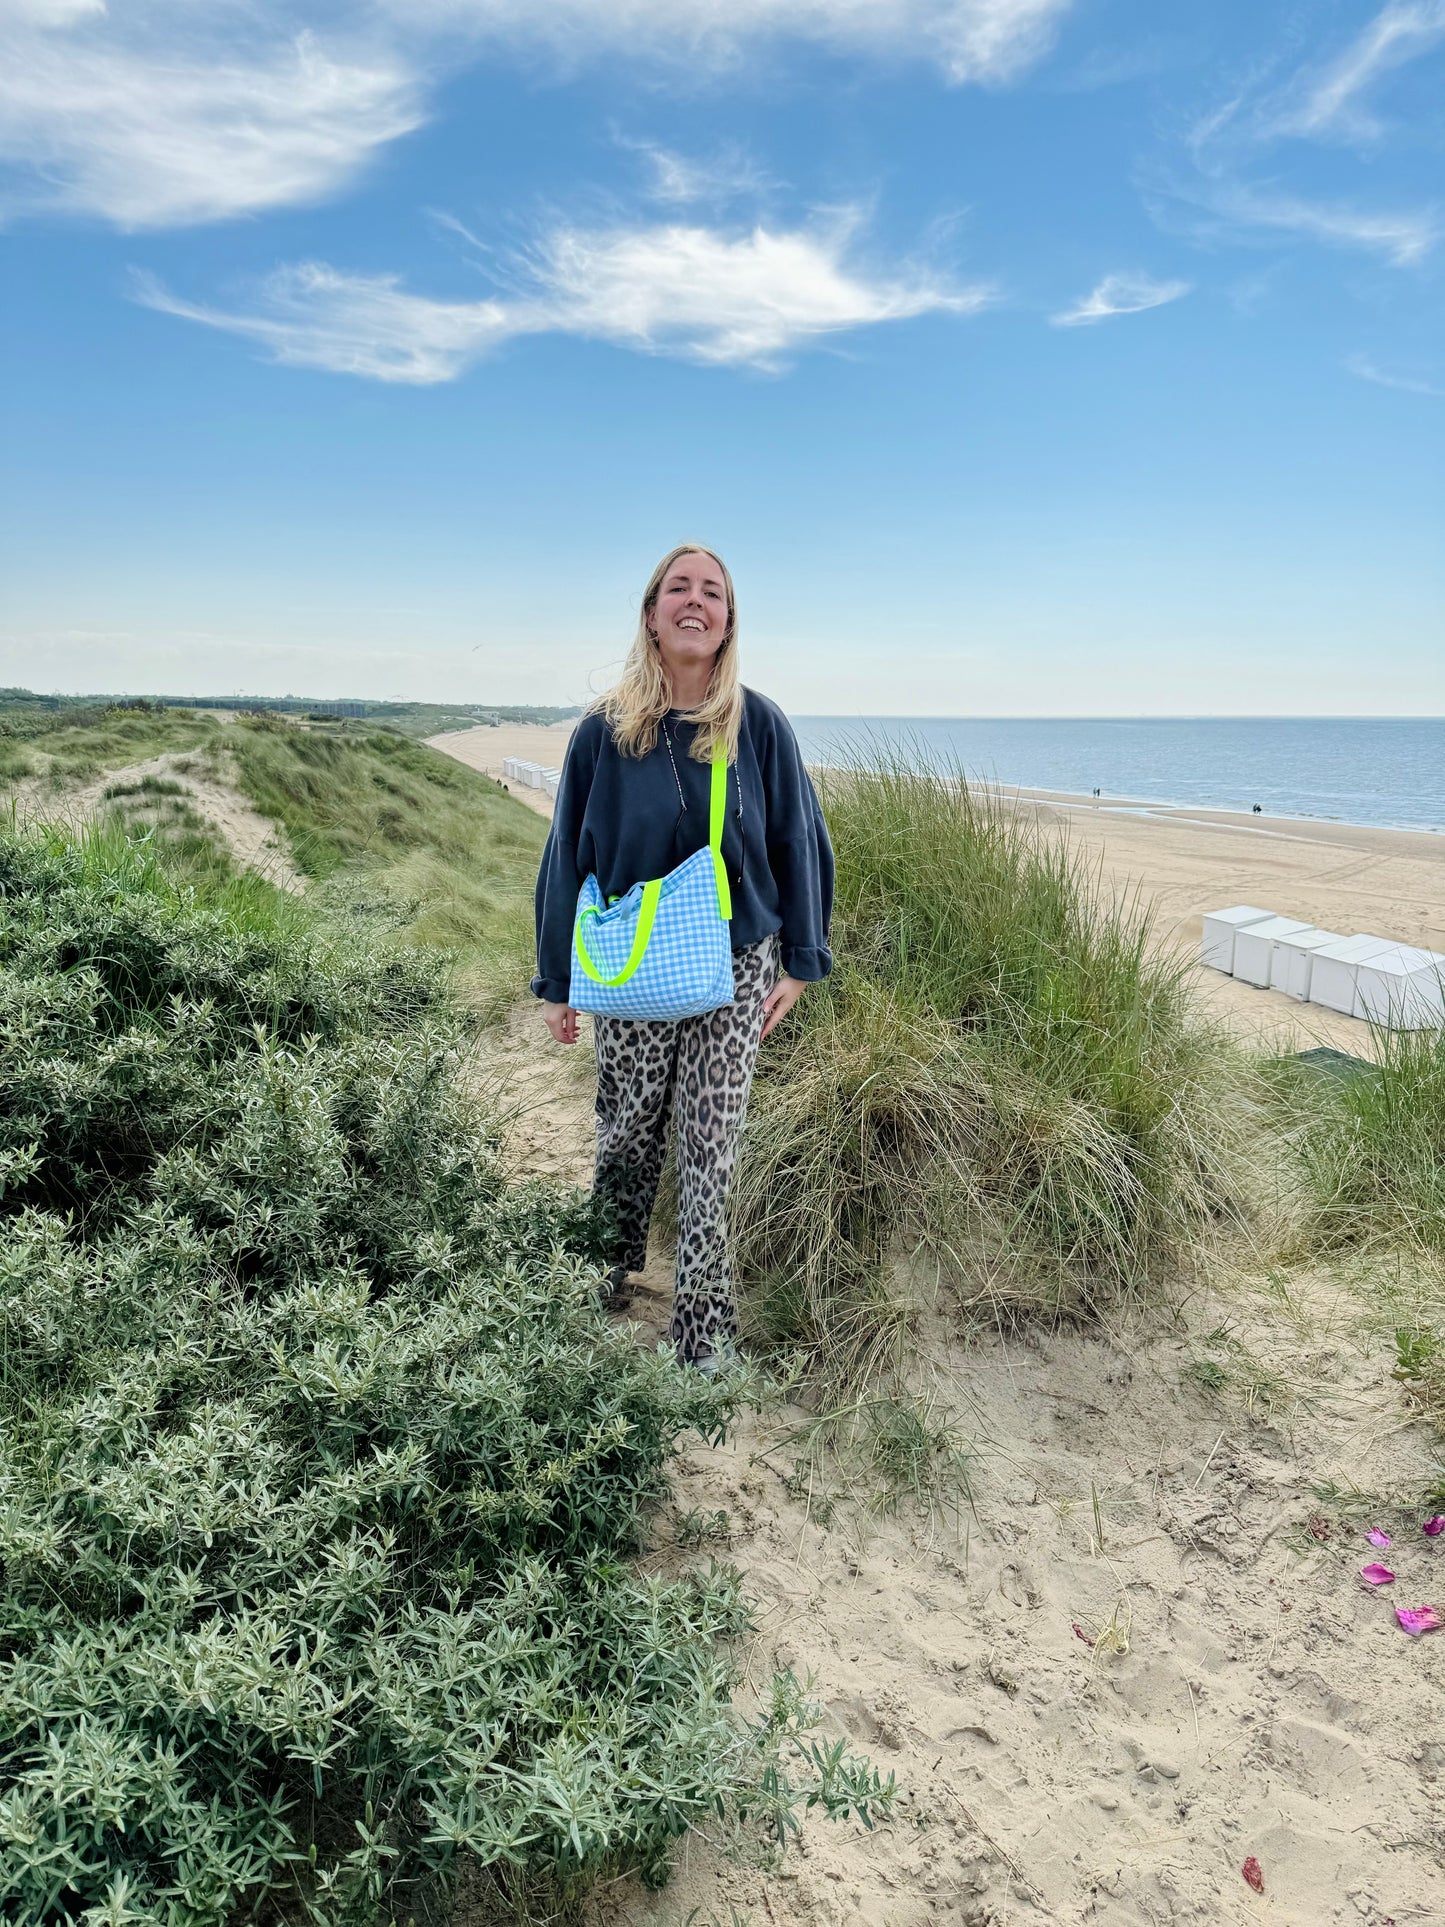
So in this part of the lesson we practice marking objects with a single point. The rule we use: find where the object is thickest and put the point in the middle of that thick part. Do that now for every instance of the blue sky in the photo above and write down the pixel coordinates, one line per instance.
(1055, 357)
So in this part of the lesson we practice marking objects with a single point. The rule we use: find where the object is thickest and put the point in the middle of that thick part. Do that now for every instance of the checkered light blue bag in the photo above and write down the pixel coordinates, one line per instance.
(663, 951)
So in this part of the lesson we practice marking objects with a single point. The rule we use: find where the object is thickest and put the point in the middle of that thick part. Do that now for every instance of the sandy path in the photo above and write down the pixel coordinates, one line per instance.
(1339, 876)
(1266, 1703)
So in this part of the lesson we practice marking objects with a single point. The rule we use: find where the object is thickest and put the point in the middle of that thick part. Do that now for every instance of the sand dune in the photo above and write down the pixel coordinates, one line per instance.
(1244, 1693)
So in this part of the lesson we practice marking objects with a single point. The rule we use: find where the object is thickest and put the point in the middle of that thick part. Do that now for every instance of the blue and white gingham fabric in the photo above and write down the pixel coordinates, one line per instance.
(688, 965)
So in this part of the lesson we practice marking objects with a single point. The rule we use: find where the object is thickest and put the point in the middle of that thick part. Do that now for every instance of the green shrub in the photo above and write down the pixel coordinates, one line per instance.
(1000, 1077)
(320, 1471)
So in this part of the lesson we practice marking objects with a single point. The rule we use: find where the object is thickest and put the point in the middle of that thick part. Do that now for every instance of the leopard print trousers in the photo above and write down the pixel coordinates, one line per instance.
(697, 1071)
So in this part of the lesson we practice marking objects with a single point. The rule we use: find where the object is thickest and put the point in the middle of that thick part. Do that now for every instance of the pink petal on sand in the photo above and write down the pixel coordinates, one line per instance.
(1432, 1528)
(1377, 1575)
(1419, 1619)
(1378, 1538)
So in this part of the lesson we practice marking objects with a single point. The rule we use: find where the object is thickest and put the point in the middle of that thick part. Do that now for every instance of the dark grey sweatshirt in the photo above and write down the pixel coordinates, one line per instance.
(621, 819)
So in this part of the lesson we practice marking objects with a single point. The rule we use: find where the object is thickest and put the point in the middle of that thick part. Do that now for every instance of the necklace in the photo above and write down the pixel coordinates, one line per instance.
(667, 738)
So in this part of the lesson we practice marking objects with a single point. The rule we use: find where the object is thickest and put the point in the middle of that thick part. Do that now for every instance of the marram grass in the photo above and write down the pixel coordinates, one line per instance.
(321, 1474)
(1002, 1080)
(1373, 1146)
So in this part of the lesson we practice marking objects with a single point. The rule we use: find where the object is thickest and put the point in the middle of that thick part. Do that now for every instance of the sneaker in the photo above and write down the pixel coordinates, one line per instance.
(714, 1364)
(616, 1293)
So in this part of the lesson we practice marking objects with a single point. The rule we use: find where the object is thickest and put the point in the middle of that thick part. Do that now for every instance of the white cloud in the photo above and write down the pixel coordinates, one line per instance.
(1330, 103)
(310, 316)
(1367, 370)
(1121, 294)
(167, 113)
(1216, 207)
(1402, 236)
(986, 41)
(1319, 101)
(690, 292)
(681, 181)
(150, 138)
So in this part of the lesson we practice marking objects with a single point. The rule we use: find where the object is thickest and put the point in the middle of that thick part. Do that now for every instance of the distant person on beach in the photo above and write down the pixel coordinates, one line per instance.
(632, 804)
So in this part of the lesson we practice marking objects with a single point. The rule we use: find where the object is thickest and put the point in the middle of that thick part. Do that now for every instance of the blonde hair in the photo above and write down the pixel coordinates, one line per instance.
(637, 702)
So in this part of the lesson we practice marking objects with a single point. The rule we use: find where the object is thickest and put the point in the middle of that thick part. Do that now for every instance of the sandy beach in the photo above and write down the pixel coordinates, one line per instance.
(1138, 1652)
(1339, 876)
(488, 748)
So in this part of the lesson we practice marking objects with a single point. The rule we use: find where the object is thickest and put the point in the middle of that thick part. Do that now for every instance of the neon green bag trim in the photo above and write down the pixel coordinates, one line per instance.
(716, 814)
(652, 892)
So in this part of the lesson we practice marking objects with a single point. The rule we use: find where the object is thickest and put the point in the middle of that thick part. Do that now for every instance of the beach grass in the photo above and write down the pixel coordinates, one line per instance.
(1373, 1146)
(387, 824)
(1371, 1154)
(1002, 1084)
(72, 744)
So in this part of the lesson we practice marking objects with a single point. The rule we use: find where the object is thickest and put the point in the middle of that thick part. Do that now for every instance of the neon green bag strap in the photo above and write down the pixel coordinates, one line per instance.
(715, 829)
(650, 894)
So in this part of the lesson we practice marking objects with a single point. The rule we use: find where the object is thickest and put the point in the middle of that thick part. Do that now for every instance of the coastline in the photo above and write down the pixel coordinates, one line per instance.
(1373, 771)
(1182, 862)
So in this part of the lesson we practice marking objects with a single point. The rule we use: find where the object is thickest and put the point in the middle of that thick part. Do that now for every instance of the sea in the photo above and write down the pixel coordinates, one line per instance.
(1373, 770)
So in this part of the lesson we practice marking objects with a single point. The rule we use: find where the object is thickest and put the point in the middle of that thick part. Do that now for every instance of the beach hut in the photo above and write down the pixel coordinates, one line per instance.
(1216, 947)
(550, 779)
(1334, 974)
(1291, 959)
(1254, 947)
(1404, 988)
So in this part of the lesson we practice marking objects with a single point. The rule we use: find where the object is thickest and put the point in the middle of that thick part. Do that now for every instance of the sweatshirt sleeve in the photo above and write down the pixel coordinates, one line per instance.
(560, 878)
(800, 857)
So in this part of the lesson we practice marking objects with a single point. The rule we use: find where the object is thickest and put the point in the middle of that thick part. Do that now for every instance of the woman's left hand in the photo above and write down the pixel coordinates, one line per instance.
(784, 994)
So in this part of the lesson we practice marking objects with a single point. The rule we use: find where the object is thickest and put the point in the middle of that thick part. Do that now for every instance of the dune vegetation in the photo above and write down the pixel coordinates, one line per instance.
(438, 850)
(1001, 1082)
(324, 1477)
(323, 1471)
(414, 845)
(66, 744)
(1373, 1146)
(1371, 1155)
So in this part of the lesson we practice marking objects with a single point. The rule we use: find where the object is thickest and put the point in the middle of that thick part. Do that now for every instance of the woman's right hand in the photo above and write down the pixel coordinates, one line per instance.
(561, 1020)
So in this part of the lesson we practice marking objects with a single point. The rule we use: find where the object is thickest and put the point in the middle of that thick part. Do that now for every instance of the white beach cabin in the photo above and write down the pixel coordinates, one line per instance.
(1334, 975)
(1291, 960)
(550, 779)
(1216, 946)
(1404, 988)
(1254, 947)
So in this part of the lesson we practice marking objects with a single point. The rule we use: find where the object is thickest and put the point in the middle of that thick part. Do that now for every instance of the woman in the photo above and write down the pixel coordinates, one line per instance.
(633, 804)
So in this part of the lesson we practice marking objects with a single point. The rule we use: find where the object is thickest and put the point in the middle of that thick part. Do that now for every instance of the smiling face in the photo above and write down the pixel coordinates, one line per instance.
(691, 616)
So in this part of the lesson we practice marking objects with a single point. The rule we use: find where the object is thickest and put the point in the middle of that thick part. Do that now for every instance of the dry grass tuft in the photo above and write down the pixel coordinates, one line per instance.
(1000, 1079)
